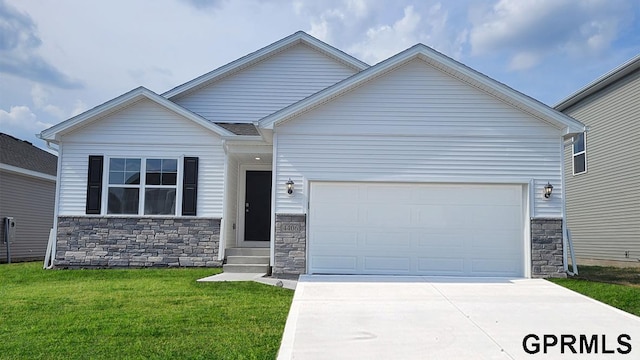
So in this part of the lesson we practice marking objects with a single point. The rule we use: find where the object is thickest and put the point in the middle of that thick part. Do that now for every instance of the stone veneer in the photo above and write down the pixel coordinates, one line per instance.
(290, 246)
(137, 242)
(546, 248)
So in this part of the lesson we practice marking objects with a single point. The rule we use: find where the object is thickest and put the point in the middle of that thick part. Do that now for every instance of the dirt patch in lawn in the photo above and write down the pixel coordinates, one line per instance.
(629, 276)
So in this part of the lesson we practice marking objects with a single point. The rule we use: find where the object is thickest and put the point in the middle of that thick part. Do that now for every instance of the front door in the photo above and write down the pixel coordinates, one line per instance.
(257, 206)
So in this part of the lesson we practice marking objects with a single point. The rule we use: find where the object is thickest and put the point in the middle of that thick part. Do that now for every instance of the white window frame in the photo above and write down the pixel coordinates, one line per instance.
(575, 154)
(142, 186)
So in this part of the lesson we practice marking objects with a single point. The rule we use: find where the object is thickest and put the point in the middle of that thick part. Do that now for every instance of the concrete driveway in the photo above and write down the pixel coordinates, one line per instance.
(393, 317)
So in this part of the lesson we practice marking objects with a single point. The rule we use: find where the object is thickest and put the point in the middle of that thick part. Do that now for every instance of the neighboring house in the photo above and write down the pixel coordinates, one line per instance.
(418, 165)
(602, 169)
(27, 194)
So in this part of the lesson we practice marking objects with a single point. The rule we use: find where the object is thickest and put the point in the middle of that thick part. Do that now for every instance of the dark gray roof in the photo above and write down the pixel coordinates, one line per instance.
(240, 128)
(23, 154)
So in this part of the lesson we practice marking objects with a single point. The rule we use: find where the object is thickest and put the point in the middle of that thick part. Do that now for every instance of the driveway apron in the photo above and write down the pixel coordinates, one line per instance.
(396, 317)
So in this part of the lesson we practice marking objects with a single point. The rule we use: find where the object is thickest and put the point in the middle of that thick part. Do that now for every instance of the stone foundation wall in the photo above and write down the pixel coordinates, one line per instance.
(546, 248)
(290, 246)
(137, 242)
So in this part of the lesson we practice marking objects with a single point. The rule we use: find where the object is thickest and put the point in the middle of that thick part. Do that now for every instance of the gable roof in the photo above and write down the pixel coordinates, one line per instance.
(53, 133)
(444, 64)
(600, 83)
(264, 53)
(24, 155)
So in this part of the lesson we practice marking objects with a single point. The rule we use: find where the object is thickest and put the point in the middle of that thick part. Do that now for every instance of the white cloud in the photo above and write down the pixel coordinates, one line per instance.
(384, 41)
(21, 117)
(533, 29)
(40, 96)
(78, 108)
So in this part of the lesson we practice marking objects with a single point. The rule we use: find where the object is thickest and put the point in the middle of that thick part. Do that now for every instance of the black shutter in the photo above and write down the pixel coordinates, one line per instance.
(190, 186)
(94, 184)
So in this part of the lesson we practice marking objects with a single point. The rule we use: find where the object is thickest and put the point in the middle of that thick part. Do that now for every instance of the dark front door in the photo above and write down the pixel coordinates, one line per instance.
(257, 210)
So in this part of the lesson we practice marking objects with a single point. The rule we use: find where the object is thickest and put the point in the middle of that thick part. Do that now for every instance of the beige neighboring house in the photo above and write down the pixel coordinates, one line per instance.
(602, 169)
(27, 194)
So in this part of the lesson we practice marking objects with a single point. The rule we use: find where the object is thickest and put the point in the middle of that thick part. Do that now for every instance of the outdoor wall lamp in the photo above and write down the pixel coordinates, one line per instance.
(548, 189)
(290, 186)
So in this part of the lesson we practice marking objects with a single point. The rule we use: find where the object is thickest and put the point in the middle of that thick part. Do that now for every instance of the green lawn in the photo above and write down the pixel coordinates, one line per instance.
(618, 287)
(136, 314)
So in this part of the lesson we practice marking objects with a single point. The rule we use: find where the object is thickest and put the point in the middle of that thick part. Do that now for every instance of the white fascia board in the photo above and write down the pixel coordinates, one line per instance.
(600, 83)
(335, 90)
(27, 172)
(442, 63)
(53, 133)
(262, 54)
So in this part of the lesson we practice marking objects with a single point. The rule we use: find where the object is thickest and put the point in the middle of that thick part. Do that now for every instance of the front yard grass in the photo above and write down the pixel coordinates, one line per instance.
(618, 287)
(136, 314)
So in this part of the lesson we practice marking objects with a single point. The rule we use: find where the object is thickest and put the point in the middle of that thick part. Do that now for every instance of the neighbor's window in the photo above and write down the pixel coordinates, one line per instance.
(152, 194)
(579, 154)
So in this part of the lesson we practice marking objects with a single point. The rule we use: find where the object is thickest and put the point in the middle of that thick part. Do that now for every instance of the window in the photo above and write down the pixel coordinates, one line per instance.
(151, 194)
(579, 154)
(142, 186)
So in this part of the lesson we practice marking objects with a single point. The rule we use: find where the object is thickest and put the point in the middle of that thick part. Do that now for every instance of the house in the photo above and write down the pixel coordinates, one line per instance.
(417, 165)
(27, 194)
(602, 169)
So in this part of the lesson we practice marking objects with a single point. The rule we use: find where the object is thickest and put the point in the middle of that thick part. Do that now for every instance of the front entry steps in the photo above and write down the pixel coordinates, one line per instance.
(246, 260)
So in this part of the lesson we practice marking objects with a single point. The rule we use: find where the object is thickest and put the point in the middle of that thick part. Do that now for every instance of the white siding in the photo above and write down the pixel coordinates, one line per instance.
(416, 124)
(142, 130)
(266, 87)
(606, 224)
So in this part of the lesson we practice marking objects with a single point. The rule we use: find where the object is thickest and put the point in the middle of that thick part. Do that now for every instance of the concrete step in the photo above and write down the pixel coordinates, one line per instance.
(245, 268)
(254, 260)
(247, 252)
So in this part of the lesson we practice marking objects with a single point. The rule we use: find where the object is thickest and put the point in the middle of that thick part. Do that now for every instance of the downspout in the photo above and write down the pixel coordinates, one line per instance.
(566, 237)
(222, 243)
(50, 254)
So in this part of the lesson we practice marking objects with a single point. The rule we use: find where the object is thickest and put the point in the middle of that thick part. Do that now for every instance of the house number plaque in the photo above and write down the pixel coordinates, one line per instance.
(290, 227)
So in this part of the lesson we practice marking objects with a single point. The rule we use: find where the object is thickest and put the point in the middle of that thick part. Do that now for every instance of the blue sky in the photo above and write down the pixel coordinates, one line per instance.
(60, 58)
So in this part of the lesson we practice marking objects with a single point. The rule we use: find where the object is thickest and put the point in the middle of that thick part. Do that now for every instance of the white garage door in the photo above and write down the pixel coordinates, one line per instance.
(416, 229)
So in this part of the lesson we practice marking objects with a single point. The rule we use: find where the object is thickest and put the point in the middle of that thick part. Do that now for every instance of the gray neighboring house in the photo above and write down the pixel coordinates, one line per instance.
(602, 169)
(27, 193)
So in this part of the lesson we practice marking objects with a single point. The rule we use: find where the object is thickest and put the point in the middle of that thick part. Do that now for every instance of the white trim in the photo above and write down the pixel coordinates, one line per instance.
(225, 197)
(54, 133)
(443, 63)
(274, 194)
(525, 224)
(600, 83)
(574, 154)
(30, 173)
(262, 54)
(142, 186)
(242, 188)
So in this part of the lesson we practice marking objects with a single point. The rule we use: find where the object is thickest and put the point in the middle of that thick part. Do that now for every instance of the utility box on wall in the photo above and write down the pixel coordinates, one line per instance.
(9, 235)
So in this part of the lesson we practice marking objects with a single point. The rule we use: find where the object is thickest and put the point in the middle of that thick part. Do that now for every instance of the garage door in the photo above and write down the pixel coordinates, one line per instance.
(416, 229)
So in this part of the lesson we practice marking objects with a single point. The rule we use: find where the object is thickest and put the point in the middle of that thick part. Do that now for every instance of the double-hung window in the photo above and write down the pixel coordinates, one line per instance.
(579, 154)
(142, 186)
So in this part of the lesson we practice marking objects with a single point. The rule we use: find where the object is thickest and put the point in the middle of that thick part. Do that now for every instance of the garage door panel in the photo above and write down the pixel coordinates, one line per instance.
(387, 264)
(337, 238)
(335, 264)
(386, 216)
(387, 239)
(429, 229)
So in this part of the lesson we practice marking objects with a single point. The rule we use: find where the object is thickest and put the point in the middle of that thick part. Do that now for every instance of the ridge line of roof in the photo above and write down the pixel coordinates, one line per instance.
(262, 53)
(599, 83)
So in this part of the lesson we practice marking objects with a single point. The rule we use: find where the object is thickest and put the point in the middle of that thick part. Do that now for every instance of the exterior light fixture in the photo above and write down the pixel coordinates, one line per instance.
(290, 186)
(548, 189)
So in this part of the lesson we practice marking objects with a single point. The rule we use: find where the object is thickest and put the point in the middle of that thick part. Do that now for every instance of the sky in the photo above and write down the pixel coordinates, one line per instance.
(61, 58)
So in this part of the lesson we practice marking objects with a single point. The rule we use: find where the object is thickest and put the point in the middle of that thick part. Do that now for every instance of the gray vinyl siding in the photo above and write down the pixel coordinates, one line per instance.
(266, 87)
(30, 201)
(603, 204)
(418, 124)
